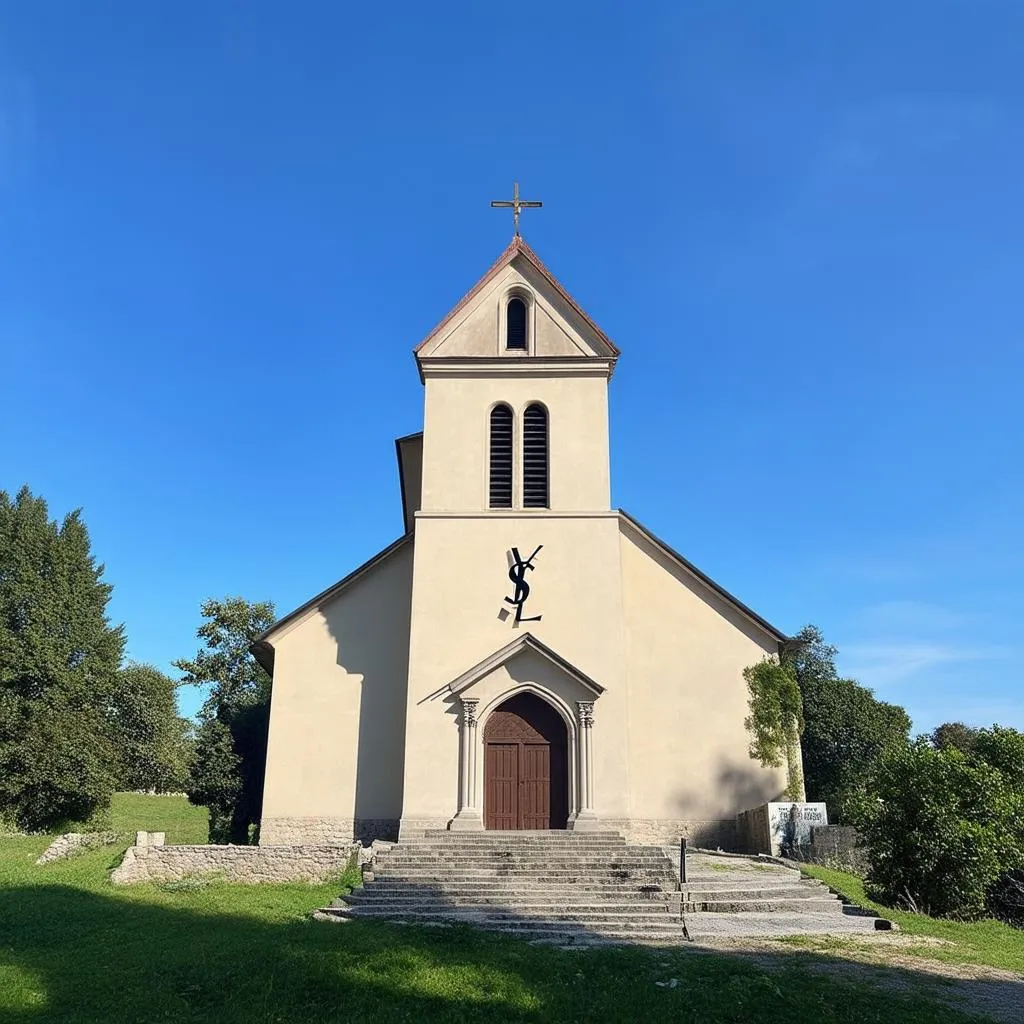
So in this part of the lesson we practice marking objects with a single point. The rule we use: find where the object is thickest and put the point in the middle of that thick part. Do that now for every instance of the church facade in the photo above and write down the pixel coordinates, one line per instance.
(524, 656)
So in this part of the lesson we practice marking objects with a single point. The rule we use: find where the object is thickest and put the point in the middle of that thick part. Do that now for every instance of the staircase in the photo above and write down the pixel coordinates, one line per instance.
(582, 888)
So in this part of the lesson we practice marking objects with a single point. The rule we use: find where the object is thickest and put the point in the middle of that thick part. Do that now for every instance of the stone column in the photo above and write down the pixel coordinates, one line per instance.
(467, 818)
(586, 817)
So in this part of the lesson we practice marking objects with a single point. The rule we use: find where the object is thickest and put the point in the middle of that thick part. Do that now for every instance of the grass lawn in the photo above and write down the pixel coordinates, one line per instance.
(980, 942)
(74, 948)
(137, 812)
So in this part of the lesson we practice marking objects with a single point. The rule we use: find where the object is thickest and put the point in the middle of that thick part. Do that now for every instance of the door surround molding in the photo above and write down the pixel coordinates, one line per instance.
(579, 724)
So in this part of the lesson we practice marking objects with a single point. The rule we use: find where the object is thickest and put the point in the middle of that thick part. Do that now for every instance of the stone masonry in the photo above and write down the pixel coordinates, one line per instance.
(296, 831)
(150, 861)
(73, 842)
(587, 887)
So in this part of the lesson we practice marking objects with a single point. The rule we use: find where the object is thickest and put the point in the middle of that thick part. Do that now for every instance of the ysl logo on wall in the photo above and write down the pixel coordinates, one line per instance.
(517, 574)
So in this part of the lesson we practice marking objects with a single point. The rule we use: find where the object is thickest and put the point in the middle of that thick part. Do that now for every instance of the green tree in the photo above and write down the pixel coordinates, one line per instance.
(955, 734)
(846, 729)
(59, 659)
(154, 743)
(775, 720)
(231, 740)
(948, 826)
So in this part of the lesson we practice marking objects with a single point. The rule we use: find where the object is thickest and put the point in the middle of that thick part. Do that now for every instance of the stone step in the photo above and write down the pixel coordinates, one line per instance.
(806, 905)
(532, 871)
(700, 926)
(526, 870)
(527, 906)
(510, 836)
(530, 912)
(431, 878)
(544, 850)
(505, 886)
(768, 882)
(782, 892)
(741, 876)
(485, 917)
(518, 836)
(605, 923)
(567, 934)
(558, 904)
(524, 863)
(523, 851)
(560, 867)
(512, 897)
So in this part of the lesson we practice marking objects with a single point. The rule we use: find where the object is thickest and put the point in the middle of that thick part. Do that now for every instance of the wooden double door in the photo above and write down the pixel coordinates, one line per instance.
(526, 777)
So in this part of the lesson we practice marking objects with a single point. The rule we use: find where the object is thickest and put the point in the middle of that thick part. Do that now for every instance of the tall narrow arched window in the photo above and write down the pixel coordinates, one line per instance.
(500, 477)
(535, 457)
(515, 324)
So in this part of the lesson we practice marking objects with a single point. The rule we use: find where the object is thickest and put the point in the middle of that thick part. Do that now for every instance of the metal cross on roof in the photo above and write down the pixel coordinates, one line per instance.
(517, 204)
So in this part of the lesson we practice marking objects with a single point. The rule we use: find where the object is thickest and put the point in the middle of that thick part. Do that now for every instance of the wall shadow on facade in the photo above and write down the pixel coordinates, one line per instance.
(370, 628)
(737, 788)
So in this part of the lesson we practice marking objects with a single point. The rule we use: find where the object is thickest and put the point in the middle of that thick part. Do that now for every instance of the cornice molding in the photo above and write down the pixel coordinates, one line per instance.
(500, 366)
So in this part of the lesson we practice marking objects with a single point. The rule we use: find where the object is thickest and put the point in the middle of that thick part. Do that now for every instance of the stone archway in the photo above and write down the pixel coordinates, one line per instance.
(526, 766)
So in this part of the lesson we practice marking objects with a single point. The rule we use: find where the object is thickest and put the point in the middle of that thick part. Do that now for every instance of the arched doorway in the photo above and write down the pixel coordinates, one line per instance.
(526, 766)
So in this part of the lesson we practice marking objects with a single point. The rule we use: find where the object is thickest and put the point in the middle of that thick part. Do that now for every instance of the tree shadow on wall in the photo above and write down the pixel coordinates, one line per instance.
(369, 624)
(68, 955)
(736, 785)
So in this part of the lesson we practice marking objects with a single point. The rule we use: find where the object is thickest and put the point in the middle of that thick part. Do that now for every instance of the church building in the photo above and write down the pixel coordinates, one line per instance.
(523, 656)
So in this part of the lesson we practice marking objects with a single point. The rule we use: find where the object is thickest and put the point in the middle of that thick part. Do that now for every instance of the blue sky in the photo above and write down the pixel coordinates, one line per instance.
(223, 227)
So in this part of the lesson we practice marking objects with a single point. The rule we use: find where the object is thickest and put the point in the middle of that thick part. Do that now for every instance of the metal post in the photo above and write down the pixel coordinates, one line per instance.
(682, 861)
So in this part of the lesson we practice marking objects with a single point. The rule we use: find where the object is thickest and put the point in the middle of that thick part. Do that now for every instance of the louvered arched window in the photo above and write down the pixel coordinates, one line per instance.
(500, 477)
(535, 457)
(515, 324)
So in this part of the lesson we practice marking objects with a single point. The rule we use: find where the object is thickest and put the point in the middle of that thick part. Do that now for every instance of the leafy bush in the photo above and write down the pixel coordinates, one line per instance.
(947, 826)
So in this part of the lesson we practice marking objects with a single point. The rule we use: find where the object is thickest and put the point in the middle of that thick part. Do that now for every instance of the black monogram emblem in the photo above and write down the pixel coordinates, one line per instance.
(517, 574)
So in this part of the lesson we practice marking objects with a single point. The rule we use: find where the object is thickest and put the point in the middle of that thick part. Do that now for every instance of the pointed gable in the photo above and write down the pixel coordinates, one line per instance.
(557, 327)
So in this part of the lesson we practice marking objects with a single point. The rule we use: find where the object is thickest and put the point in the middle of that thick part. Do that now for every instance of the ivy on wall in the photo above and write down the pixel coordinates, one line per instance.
(776, 721)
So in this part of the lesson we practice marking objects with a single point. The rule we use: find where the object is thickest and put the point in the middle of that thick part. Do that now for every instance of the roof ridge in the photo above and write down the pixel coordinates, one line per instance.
(516, 247)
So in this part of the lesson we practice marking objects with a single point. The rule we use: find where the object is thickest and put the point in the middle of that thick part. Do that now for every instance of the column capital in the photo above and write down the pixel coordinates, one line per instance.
(469, 706)
(585, 709)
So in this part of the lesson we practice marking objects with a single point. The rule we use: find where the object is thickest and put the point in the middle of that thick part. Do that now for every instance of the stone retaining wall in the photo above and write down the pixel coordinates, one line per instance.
(328, 831)
(838, 846)
(149, 862)
(711, 834)
(75, 842)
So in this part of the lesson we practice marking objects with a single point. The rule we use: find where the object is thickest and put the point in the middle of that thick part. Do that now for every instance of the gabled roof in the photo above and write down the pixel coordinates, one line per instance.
(517, 247)
(689, 567)
(524, 642)
(262, 648)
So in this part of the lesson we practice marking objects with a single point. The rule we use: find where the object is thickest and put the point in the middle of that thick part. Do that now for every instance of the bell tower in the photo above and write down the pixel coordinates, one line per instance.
(516, 404)
(516, 568)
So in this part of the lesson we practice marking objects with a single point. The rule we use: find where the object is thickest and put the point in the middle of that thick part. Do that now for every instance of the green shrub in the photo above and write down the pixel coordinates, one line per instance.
(946, 827)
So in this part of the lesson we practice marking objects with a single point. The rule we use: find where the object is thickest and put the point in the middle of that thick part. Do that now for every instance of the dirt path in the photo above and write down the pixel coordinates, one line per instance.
(893, 961)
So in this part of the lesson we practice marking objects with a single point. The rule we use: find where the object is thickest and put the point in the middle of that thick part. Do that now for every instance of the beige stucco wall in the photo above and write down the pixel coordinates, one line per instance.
(553, 326)
(336, 743)
(455, 437)
(686, 649)
(460, 582)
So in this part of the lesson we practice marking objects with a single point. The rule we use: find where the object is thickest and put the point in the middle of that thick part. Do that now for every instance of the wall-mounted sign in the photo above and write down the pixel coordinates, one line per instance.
(518, 568)
(790, 825)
